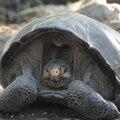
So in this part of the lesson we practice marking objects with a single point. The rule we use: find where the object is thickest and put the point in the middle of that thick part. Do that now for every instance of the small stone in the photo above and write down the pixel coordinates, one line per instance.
(117, 119)
(22, 116)
(11, 116)
(66, 119)
(41, 119)
(1, 115)
(8, 115)
(44, 114)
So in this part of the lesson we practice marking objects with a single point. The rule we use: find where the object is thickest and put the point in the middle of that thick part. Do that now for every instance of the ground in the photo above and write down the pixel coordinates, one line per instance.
(42, 112)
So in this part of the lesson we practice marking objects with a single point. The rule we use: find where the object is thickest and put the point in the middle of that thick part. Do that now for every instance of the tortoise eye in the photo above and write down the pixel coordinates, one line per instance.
(65, 70)
(46, 70)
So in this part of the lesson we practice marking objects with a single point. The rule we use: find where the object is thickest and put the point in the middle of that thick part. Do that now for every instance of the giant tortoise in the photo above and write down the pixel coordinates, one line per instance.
(66, 58)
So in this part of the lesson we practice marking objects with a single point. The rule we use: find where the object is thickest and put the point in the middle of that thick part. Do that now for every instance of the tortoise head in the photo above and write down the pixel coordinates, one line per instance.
(57, 74)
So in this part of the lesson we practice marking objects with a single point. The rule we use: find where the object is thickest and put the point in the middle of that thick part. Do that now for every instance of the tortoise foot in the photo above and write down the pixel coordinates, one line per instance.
(20, 93)
(89, 104)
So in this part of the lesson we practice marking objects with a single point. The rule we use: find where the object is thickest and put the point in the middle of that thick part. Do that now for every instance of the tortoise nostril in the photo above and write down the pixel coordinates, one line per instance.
(55, 72)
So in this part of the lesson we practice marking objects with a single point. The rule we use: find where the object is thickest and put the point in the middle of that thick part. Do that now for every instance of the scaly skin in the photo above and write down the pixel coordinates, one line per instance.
(89, 103)
(19, 94)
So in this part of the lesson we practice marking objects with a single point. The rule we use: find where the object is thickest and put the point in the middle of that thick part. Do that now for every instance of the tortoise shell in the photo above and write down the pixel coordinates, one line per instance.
(101, 42)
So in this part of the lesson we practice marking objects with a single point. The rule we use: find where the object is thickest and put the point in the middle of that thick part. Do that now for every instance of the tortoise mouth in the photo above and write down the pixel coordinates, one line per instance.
(58, 83)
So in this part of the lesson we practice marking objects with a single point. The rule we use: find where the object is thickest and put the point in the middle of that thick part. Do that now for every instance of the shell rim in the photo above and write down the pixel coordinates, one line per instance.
(95, 54)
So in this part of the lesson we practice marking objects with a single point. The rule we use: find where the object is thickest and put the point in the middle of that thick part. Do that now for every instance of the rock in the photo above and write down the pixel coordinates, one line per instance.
(12, 5)
(83, 4)
(99, 10)
(113, 1)
(7, 16)
(39, 11)
(57, 2)
(102, 12)
(3, 15)
(105, 13)
(12, 17)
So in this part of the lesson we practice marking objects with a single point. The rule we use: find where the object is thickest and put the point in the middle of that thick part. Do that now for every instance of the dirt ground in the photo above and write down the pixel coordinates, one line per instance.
(42, 112)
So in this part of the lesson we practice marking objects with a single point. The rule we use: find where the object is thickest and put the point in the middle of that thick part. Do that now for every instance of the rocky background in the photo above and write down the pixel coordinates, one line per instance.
(16, 13)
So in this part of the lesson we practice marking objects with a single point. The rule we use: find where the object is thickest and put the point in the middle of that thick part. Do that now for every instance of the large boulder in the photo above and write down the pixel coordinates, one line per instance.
(113, 1)
(100, 10)
(105, 13)
(10, 4)
(3, 15)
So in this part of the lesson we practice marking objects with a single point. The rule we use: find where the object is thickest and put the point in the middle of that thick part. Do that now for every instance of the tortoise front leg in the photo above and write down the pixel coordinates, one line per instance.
(20, 93)
(88, 103)
(117, 95)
